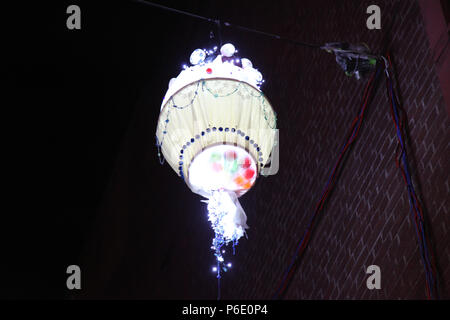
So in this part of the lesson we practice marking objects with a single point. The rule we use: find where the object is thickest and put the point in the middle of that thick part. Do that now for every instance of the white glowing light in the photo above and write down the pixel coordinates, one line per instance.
(197, 56)
(258, 76)
(227, 70)
(214, 269)
(246, 63)
(172, 81)
(227, 50)
(229, 265)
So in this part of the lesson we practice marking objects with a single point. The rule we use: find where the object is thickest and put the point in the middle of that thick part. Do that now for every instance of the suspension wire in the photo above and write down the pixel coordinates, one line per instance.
(148, 3)
(228, 24)
(273, 36)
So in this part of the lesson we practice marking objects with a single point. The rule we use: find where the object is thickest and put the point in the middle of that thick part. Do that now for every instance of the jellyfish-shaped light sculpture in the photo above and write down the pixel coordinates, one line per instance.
(216, 129)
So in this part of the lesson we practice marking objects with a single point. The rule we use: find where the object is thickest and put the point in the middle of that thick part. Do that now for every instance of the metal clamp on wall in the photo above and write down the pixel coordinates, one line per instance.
(354, 59)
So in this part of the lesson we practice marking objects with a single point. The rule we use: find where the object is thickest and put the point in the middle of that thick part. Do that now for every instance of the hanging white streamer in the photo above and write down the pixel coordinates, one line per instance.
(228, 220)
(226, 213)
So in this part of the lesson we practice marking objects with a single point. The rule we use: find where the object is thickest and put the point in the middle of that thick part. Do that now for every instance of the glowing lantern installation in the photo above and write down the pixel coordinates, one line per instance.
(216, 129)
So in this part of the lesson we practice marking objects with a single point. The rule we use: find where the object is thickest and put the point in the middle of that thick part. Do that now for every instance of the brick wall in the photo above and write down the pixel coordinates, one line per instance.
(366, 220)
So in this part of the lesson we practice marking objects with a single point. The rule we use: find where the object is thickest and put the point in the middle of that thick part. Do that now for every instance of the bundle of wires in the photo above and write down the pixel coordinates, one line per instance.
(415, 207)
(402, 163)
(351, 137)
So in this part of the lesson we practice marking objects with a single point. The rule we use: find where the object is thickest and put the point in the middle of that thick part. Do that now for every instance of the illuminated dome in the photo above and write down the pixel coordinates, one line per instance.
(216, 130)
(216, 103)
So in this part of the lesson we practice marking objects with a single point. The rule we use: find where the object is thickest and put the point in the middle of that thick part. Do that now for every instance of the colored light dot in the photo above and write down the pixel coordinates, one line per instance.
(247, 138)
(246, 163)
(249, 173)
(209, 70)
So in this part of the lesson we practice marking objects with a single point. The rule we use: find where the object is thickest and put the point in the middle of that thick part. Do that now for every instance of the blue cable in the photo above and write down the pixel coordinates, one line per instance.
(412, 200)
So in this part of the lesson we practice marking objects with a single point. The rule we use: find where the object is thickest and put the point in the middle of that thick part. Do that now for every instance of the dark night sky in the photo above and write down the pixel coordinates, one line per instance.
(72, 96)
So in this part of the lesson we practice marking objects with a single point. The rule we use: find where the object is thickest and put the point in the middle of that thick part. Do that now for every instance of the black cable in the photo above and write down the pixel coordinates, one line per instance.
(148, 3)
(273, 36)
(230, 25)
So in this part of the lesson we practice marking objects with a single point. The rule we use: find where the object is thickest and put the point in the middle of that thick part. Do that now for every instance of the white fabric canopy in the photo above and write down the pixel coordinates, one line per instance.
(215, 111)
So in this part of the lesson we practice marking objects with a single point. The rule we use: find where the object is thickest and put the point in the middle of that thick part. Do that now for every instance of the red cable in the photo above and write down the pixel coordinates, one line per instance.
(319, 206)
(415, 204)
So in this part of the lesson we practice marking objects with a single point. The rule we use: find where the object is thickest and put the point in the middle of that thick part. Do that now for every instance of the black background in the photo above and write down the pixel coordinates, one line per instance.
(70, 97)
(70, 100)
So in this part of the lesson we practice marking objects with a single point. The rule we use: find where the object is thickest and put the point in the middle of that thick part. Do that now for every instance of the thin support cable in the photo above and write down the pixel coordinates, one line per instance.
(228, 24)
